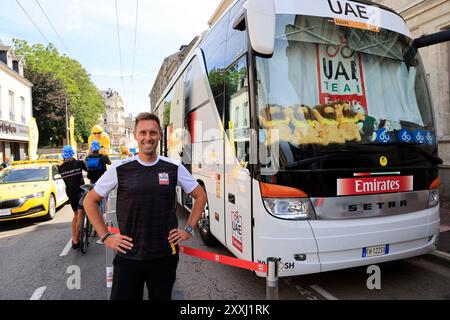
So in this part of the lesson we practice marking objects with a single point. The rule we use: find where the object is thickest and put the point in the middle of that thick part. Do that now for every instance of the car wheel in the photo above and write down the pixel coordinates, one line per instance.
(204, 228)
(51, 208)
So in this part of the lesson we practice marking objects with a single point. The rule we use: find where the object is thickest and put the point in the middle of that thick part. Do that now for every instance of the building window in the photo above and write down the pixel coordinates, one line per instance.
(22, 108)
(12, 115)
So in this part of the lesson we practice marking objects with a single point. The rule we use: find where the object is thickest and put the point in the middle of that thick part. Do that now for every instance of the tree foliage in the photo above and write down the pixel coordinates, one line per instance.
(49, 97)
(84, 100)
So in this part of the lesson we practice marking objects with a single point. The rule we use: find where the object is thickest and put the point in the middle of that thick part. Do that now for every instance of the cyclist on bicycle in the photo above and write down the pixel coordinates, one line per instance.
(72, 173)
(85, 227)
(96, 162)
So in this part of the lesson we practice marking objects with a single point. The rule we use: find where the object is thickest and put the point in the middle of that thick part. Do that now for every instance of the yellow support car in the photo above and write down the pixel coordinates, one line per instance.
(31, 189)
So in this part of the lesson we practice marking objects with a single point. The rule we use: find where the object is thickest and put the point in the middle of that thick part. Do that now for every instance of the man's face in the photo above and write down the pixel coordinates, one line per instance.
(148, 135)
(97, 135)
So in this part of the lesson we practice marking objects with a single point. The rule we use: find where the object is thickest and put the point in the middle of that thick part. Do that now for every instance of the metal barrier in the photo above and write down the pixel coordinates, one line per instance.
(109, 253)
(272, 279)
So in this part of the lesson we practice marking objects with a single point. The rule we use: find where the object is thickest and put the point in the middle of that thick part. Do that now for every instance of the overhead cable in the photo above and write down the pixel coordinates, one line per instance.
(120, 46)
(53, 27)
(32, 21)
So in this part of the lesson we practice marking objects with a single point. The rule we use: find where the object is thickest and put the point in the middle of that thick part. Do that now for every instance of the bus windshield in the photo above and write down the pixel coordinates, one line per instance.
(328, 86)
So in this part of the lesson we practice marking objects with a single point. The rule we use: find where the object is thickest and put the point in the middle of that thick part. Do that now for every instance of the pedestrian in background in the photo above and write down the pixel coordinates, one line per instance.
(5, 164)
(146, 212)
(72, 173)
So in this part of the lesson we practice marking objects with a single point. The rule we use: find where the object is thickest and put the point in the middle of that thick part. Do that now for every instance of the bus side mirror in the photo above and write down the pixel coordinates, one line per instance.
(432, 39)
(261, 25)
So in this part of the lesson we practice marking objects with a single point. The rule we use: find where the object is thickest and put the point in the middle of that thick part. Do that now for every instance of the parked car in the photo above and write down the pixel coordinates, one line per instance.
(31, 189)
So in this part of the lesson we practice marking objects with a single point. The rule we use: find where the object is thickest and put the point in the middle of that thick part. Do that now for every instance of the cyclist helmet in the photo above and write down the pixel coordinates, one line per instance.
(68, 152)
(95, 146)
(97, 130)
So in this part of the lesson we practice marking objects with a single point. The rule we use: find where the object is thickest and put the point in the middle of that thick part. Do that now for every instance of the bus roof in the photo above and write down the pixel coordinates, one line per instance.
(226, 5)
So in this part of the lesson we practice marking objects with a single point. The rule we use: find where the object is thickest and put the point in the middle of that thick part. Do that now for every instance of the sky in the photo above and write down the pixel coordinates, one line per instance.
(89, 32)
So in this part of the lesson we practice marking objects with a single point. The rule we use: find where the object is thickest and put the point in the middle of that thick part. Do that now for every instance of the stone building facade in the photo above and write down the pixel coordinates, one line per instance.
(113, 121)
(168, 69)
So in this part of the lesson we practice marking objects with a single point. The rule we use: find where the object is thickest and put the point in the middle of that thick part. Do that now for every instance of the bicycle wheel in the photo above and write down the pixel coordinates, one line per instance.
(84, 235)
(81, 237)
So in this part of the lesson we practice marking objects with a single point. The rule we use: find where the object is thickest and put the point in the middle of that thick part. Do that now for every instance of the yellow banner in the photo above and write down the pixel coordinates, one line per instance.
(73, 141)
(33, 135)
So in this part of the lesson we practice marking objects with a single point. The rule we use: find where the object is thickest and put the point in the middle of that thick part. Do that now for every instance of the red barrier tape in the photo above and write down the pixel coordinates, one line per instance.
(243, 264)
(253, 266)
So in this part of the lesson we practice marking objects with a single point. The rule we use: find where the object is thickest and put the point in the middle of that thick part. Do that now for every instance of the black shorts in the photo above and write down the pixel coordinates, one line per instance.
(74, 200)
(80, 203)
(130, 277)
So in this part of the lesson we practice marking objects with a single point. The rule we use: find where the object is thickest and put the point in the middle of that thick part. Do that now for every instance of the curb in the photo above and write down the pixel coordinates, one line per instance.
(441, 255)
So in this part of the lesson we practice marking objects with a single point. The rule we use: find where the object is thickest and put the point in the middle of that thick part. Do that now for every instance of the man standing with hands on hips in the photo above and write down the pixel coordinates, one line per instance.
(147, 246)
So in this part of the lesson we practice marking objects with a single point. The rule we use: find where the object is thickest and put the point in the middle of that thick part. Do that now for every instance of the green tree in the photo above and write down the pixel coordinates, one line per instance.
(84, 100)
(48, 106)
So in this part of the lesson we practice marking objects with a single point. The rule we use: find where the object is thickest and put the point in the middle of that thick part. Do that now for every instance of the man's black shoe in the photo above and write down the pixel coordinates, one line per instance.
(75, 246)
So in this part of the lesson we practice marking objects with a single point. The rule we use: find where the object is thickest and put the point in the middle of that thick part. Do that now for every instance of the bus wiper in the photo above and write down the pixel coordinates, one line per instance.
(430, 157)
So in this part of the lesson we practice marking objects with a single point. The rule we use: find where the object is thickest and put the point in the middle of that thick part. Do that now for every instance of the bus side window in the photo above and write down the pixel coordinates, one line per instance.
(237, 42)
(164, 115)
(214, 50)
(237, 111)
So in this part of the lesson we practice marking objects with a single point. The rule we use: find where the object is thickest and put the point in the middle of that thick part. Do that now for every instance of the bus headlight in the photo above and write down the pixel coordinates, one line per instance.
(433, 198)
(290, 208)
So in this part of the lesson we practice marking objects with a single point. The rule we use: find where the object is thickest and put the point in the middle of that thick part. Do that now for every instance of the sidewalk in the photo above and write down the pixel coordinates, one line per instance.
(444, 236)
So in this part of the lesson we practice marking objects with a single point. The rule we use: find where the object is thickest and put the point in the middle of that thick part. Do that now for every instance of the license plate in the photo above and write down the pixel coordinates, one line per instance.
(5, 212)
(375, 251)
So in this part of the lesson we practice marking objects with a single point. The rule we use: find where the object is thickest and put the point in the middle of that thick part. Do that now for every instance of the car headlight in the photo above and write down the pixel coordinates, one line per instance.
(32, 196)
(290, 208)
(433, 198)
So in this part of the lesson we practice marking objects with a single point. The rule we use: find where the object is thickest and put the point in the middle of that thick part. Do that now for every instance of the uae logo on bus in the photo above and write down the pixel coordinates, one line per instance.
(236, 223)
(374, 185)
(340, 74)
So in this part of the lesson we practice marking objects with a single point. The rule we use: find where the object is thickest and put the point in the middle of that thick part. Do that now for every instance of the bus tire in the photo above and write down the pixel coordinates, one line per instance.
(204, 227)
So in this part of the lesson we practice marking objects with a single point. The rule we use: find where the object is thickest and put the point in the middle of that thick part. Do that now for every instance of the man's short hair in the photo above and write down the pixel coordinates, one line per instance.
(146, 116)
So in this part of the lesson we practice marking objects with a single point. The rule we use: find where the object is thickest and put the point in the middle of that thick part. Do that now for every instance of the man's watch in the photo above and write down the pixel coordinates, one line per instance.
(189, 230)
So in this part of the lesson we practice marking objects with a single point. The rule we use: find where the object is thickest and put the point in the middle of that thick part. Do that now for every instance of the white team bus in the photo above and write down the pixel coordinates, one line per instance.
(310, 126)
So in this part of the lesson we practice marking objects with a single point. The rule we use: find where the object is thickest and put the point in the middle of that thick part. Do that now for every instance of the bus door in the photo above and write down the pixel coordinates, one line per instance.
(186, 155)
(237, 161)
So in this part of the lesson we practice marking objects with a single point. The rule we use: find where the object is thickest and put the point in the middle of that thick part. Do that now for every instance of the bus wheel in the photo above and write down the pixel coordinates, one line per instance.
(204, 227)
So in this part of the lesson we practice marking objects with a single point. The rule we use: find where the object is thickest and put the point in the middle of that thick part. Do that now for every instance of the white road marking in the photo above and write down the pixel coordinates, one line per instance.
(324, 293)
(66, 248)
(306, 293)
(37, 295)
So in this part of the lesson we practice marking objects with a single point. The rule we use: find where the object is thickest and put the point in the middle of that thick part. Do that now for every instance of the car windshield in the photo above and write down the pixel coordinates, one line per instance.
(328, 85)
(16, 175)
